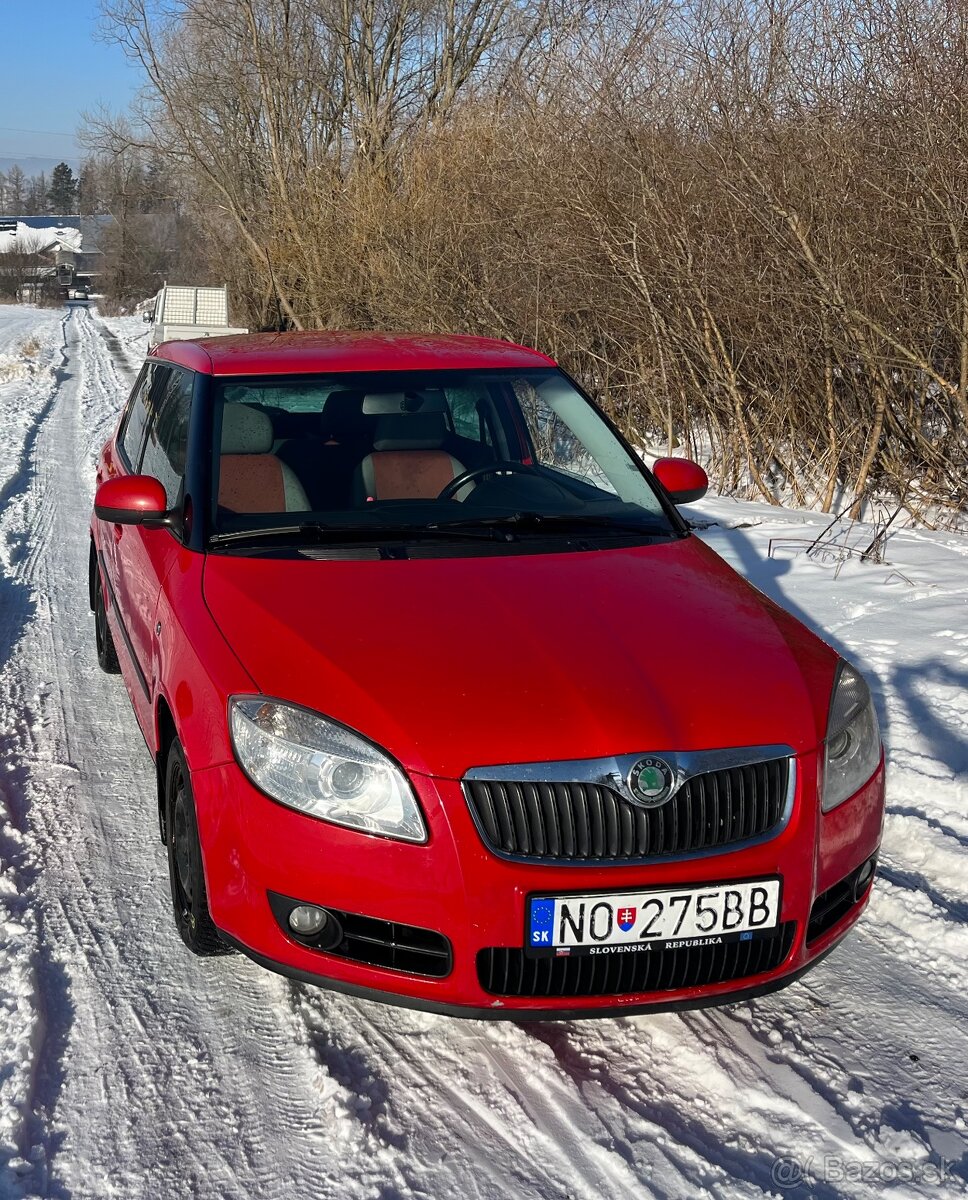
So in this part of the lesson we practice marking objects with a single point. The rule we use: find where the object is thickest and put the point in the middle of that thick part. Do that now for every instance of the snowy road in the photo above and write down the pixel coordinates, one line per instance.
(129, 1069)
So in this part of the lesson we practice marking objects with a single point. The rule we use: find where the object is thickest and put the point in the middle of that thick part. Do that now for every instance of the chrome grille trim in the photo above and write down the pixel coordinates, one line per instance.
(582, 807)
(604, 771)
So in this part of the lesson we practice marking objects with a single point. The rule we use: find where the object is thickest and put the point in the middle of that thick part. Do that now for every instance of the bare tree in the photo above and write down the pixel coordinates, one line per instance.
(745, 226)
(16, 191)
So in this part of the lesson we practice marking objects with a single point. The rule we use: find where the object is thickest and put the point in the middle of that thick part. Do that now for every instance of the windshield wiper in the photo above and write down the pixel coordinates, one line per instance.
(316, 531)
(496, 528)
(539, 521)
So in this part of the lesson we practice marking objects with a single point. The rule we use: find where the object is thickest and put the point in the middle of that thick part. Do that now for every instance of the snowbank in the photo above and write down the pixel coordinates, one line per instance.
(129, 1069)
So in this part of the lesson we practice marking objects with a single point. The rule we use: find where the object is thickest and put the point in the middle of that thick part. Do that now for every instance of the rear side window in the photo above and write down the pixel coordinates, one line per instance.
(307, 398)
(132, 434)
(167, 445)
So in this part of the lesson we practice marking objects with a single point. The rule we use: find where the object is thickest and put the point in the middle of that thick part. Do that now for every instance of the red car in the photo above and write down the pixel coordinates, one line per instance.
(449, 706)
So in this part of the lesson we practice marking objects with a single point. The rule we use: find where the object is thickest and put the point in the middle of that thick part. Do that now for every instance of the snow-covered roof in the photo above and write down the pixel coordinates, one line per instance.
(35, 238)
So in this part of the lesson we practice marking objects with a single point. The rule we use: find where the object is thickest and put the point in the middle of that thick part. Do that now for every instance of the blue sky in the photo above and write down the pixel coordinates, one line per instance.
(53, 68)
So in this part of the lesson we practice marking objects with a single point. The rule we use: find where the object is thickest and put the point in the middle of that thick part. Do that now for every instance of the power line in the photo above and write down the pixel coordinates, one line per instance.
(43, 132)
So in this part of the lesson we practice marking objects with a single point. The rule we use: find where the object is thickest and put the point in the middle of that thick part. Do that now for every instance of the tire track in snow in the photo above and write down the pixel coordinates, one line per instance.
(22, 1152)
(930, 822)
(160, 1074)
(16, 486)
(493, 1119)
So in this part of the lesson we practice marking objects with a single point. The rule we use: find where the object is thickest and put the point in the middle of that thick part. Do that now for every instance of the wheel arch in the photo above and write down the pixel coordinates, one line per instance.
(92, 574)
(165, 733)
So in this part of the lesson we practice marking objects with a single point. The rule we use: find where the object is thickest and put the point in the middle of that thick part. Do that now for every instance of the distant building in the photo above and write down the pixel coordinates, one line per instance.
(65, 250)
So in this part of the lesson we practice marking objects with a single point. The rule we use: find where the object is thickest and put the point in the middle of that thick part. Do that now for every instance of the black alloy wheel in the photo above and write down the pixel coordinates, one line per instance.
(187, 878)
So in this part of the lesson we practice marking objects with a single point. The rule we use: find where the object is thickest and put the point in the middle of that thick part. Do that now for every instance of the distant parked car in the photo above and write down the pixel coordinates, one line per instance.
(79, 291)
(448, 704)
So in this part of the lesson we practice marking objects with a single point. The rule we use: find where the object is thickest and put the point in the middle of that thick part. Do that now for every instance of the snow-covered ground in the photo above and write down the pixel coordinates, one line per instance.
(129, 1069)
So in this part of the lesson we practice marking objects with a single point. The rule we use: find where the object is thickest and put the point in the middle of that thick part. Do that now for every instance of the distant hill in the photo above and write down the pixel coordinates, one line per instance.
(33, 165)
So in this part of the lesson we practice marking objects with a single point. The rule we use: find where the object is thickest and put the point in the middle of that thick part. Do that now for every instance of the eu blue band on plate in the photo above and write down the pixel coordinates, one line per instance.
(542, 922)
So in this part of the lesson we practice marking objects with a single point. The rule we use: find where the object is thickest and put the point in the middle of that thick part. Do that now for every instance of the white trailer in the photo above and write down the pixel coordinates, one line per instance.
(185, 313)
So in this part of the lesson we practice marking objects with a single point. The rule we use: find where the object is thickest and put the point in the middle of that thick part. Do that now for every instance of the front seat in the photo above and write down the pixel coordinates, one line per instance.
(251, 478)
(408, 461)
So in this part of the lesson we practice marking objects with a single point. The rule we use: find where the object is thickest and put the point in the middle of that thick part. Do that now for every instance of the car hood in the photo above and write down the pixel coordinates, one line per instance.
(456, 662)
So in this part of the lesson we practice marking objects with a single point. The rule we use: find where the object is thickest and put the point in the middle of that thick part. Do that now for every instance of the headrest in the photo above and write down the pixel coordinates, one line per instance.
(410, 431)
(342, 415)
(245, 430)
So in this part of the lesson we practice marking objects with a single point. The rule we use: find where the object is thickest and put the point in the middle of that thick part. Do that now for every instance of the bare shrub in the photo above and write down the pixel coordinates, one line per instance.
(742, 226)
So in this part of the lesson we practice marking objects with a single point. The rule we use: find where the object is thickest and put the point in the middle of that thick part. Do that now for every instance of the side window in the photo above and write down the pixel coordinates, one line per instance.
(556, 444)
(135, 419)
(167, 445)
(466, 416)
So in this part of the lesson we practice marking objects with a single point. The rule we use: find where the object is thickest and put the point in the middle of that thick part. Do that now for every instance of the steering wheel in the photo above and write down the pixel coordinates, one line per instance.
(494, 468)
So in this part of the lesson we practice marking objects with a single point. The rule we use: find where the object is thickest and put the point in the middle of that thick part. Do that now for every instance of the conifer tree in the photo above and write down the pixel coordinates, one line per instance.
(63, 190)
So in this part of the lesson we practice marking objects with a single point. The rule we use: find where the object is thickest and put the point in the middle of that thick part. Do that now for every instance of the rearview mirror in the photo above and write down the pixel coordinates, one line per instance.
(684, 480)
(132, 500)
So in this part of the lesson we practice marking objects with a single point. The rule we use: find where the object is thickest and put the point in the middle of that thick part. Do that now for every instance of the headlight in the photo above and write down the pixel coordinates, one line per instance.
(321, 768)
(853, 745)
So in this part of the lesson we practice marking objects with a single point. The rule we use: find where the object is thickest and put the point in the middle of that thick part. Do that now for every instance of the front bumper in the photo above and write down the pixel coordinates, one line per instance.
(456, 887)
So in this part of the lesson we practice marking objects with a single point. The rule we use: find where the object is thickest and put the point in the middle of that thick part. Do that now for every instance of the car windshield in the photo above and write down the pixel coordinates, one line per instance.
(432, 453)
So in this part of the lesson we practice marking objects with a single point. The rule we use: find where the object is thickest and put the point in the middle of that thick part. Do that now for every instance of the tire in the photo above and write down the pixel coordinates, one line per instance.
(187, 879)
(107, 656)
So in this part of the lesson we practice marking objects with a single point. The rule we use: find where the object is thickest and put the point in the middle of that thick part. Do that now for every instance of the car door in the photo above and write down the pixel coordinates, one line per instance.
(144, 556)
(122, 456)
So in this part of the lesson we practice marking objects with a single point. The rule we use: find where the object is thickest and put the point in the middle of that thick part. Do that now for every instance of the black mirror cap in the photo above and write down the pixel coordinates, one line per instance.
(133, 516)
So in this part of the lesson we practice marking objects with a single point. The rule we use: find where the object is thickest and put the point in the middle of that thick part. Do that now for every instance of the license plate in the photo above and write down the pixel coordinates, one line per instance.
(624, 922)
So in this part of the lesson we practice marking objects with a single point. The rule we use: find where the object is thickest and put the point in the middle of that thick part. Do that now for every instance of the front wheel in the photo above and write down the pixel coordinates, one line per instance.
(185, 872)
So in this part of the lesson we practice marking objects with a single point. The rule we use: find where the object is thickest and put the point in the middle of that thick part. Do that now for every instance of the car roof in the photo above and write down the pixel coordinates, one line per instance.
(313, 351)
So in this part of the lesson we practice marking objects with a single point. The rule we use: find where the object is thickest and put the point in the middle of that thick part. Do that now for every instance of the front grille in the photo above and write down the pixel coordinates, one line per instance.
(590, 823)
(506, 971)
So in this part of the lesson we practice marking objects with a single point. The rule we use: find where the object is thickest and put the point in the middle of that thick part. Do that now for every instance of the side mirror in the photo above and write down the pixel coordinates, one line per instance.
(132, 500)
(685, 481)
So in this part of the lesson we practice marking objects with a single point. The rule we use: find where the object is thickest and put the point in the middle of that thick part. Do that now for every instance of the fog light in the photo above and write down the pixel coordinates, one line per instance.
(864, 875)
(307, 920)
